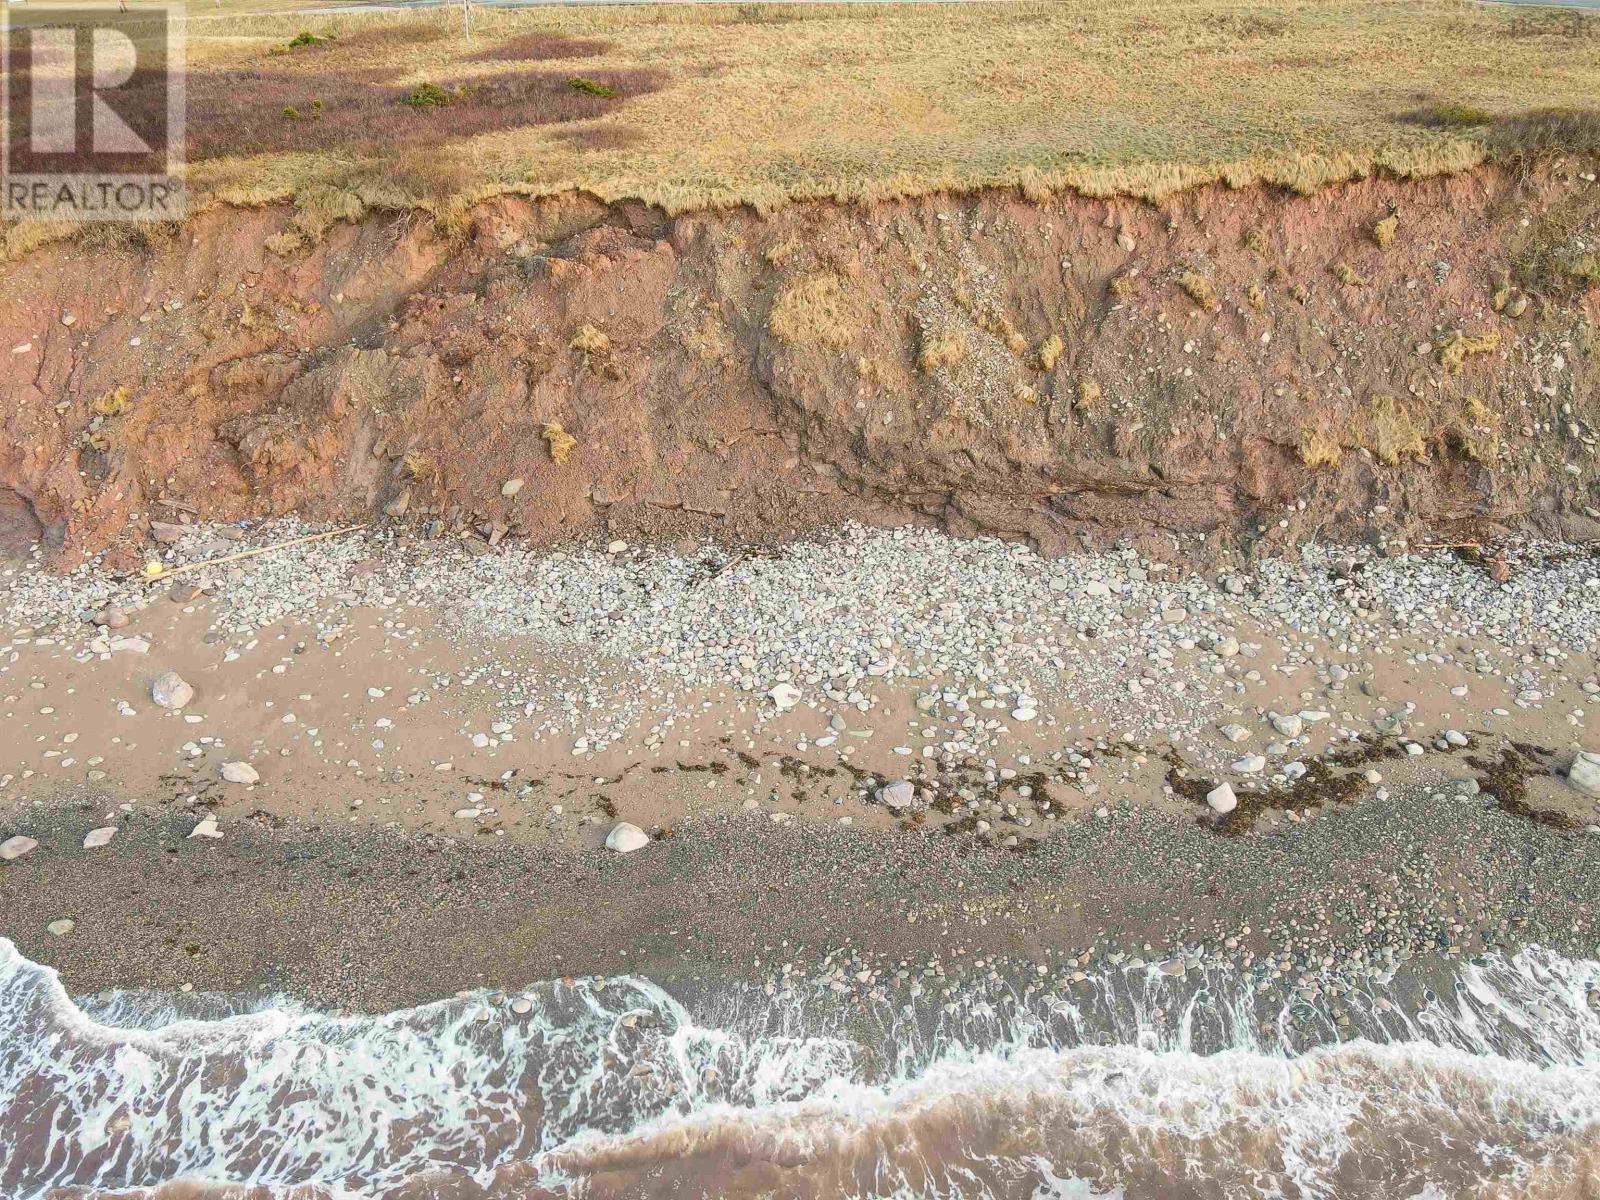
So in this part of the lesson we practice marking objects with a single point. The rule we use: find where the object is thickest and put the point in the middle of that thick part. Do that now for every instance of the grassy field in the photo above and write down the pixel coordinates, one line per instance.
(712, 105)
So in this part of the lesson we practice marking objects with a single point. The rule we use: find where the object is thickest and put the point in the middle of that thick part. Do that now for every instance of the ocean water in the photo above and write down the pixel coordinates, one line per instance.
(1476, 1080)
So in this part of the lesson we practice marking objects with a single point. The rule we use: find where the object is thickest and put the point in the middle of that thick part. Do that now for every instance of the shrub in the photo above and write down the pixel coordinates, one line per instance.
(306, 38)
(1050, 352)
(590, 340)
(429, 95)
(1383, 231)
(590, 88)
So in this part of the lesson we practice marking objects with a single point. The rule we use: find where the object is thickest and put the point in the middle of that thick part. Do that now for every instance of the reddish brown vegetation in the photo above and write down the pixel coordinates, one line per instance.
(256, 112)
(535, 47)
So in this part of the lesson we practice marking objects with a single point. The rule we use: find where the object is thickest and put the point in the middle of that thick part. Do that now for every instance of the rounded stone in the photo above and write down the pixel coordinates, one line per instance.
(625, 838)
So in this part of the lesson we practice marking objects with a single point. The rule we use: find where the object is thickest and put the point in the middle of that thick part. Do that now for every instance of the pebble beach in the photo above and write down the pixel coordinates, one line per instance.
(884, 768)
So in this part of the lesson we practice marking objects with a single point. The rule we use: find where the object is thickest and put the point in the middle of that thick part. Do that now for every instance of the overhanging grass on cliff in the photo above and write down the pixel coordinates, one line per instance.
(762, 104)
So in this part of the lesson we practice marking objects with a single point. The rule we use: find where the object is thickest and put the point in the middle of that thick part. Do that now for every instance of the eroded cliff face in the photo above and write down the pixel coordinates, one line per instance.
(1228, 371)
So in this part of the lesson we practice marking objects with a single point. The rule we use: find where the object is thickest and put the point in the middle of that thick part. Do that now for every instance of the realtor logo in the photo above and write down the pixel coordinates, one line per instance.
(91, 114)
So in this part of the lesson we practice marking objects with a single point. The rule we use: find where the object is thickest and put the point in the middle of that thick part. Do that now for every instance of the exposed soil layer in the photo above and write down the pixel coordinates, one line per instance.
(1232, 367)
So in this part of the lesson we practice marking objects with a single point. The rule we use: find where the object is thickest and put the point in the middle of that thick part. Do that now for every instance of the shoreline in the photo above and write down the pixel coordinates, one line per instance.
(386, 773)
(380, 920)
(934, 873)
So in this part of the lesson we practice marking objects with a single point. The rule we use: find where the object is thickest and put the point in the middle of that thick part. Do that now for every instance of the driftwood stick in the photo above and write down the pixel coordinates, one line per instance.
(155, 571)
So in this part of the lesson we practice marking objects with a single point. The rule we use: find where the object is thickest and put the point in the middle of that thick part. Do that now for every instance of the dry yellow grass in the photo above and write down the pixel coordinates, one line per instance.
(942, 351)
(1347, 275)
(767, 104)
(1457, 345)
(1478, 434)
(114, 403)
(1199, 289)
(1389, 433)
(814, 310)
(561, 442)
(1319, 449)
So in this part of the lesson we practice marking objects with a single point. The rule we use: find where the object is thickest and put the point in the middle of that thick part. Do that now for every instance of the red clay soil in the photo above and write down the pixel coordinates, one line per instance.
(754, 377)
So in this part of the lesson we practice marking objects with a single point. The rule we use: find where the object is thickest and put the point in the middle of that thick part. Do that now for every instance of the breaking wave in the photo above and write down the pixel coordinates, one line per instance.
(1478, 1080)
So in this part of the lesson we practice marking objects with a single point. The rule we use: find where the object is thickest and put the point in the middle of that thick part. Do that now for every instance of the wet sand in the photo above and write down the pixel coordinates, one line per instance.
(381, 919)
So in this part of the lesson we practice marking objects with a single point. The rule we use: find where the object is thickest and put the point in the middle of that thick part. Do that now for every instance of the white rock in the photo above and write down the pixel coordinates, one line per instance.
(1228, 647)
(1024, 713)
(784, 696)
(171, 690)
(14, 848)
(616, 547)
(1221, 798)
(897, 795)
(207, 828)
(1250, 764)
(1584, 774)
(96, 838)
(1234, 732)
(625, 838)
(1288, 724)
(511, 487)
(240, 772)
(60, 928)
